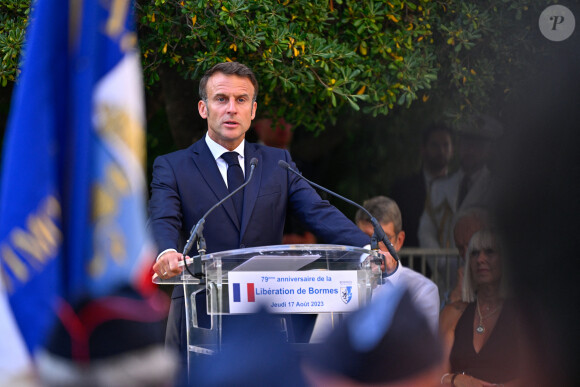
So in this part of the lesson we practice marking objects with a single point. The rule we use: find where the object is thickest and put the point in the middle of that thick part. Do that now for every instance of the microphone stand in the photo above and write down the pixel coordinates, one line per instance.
(378, 232)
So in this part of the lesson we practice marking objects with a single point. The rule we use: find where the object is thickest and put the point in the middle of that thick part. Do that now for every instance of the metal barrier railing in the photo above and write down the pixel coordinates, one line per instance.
(443, 264)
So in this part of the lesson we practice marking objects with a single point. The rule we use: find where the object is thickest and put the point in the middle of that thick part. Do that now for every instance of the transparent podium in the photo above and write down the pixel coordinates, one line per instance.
(282, 279)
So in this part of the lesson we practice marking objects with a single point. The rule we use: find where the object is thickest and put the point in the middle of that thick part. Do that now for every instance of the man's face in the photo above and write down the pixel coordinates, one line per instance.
(396, 239)
(438, 150)
(229, 109)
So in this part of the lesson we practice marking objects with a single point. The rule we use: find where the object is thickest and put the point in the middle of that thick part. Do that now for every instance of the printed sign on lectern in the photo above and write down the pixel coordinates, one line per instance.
(293, 291)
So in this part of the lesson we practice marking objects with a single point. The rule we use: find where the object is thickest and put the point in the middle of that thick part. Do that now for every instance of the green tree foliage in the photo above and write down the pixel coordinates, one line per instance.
(349, 61)
(13, 20)
(485, 50)
(313, 57)
(316, 57)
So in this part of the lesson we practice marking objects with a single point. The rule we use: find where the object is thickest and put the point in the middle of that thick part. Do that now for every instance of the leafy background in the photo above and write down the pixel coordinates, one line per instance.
(358, 79)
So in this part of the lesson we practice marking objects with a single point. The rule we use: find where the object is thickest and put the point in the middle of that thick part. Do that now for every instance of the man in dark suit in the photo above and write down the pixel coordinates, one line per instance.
(411, 192)
(188, 182)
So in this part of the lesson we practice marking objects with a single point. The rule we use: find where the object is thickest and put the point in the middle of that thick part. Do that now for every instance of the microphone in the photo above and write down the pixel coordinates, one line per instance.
(379, 233)
(197, 230)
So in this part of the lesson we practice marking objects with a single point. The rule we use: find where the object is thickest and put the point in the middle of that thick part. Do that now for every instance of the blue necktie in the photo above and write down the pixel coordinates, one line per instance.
(235, 179)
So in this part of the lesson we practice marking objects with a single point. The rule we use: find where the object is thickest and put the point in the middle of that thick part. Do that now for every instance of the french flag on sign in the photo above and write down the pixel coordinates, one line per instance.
(238, 293)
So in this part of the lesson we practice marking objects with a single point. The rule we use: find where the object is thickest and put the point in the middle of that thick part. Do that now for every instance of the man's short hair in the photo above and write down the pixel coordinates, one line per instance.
(384, 209)
(436, 127)
(228, 68)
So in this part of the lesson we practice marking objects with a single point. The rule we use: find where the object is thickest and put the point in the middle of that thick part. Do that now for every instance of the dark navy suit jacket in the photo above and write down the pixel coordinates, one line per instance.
(410, 194)
(187, 183)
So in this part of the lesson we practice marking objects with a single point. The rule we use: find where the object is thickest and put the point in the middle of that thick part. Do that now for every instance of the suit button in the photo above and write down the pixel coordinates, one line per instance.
(242, 246)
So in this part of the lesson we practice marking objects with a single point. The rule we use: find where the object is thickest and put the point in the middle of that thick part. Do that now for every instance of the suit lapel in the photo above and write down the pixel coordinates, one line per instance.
(252, 189)
(208, 169)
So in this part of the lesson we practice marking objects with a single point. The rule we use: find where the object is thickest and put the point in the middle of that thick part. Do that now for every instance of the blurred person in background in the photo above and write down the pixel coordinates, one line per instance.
(471, 186)
(116, 340)
(424, 292)
(480, 332)
(411, 192)
(468, 223)
(387, 343)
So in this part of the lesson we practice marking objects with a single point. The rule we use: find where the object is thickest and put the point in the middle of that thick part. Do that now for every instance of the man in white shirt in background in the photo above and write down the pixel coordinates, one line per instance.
(424, 292)
(471, 186)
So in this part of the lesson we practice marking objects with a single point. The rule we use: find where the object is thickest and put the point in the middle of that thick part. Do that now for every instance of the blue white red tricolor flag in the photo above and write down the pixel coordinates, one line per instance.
(249, 295)
(73, 192)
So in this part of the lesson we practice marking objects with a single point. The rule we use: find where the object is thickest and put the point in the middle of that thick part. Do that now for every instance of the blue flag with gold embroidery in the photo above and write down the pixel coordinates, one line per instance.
(72, 193)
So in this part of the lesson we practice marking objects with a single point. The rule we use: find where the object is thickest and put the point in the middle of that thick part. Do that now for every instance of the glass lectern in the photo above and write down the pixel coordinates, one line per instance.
(284, 279)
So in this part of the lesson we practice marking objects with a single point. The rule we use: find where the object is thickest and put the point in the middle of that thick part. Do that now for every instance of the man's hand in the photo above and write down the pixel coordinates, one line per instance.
(391, 263)
(167, 265)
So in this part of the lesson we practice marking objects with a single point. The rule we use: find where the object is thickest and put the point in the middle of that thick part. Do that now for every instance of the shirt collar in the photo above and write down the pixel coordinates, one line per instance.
(217, 150)
(394, 278)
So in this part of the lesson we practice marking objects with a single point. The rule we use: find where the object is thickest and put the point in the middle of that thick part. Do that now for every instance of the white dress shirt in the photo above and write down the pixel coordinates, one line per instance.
(217, 151)
(424, 293)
